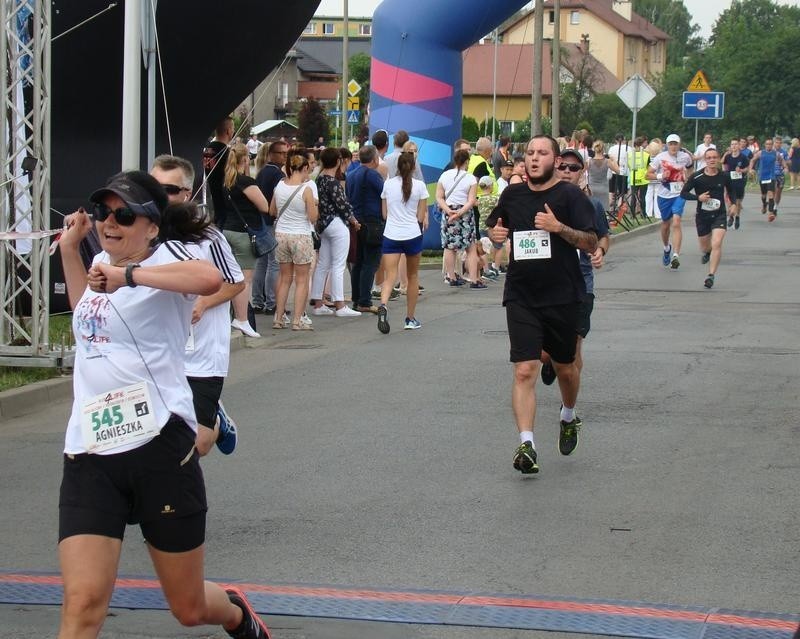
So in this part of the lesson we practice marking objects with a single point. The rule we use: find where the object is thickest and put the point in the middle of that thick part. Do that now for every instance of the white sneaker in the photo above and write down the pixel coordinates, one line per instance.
(245, 327)
(286, 319)
(346, 311)
(305, 319)
(322, 310)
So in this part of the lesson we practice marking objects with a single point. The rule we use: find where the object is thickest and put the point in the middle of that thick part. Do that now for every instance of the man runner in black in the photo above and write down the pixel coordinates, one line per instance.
(546, 220)
(709, 186)
(737, 164)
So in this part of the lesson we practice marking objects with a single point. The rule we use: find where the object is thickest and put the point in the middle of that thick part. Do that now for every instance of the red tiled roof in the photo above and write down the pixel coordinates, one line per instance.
(515, 69)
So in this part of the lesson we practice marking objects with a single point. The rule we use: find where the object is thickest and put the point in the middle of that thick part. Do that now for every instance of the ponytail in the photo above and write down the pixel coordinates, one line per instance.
(405, 169)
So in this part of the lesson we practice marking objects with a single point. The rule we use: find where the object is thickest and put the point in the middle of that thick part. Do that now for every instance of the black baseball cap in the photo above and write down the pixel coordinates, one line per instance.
(140, 191)
(572, 153)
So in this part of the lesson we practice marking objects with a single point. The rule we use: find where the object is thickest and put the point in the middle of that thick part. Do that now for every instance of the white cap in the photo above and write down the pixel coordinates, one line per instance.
(485, 181)
(673, 137)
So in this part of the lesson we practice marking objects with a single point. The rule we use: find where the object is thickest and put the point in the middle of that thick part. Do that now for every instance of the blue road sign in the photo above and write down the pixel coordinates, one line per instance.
(708, 105)
(352, 117)
(335, 112)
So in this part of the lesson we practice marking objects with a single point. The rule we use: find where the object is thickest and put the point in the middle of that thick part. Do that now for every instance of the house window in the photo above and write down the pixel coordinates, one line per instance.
(574, 17)
(551, 17)
(311, 28)
(327, 28)
(365, 29)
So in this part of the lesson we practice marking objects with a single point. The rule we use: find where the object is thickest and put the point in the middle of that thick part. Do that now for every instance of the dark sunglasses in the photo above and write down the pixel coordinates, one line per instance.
(123, 216)
(571, 167)
(174, 189)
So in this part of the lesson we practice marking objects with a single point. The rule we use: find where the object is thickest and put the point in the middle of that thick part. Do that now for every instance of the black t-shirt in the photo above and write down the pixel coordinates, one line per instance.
(247, 210)
(215, 155)
(557, 279)
(732, 163)
(267, 179)
(714, 185)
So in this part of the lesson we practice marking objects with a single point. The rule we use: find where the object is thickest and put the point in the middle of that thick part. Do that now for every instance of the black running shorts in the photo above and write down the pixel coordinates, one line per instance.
(767, 187)
(206, 392)
(158, 485)
(549, 328)
(706, 221)
(585, 315)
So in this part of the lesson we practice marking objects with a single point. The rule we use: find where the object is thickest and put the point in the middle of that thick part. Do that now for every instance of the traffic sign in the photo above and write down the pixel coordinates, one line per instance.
(636, 93)
(699, 83)
(352, 117)
(353, 103)
(353, 88)
(709, 105)
(335, 112)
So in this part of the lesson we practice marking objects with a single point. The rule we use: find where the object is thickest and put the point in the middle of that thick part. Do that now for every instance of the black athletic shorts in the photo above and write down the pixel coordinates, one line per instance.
(766, 187)
(706, 221)
(206, 392)
(548, 328)
(585, 309)
(158, 485)
(738, 189)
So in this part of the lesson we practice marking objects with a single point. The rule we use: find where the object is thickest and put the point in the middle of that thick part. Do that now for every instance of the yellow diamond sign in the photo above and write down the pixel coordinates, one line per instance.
(699, 83)
(353, 88)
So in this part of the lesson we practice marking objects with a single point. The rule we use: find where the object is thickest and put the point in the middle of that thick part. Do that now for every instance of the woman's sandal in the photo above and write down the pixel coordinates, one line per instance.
(302, 327)
(276, 325)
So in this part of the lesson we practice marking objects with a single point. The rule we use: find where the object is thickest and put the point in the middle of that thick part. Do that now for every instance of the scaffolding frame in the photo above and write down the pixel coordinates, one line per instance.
(25, 178)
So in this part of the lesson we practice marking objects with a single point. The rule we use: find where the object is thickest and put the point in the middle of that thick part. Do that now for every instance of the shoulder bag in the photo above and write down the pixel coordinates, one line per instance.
(261, 242)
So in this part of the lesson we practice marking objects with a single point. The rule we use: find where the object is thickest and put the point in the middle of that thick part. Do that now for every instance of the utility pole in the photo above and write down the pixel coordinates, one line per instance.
(494, 88)
(555, 98)
(131, 85)
(345, 71)
(538, 49)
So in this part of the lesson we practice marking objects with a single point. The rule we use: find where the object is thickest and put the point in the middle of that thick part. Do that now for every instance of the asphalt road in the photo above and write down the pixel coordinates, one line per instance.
(385, 461)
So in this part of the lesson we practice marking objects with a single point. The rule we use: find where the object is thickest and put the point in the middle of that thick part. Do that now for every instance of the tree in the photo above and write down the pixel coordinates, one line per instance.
(753, 54)
(674, 19)
(577, 88)
(312, 122)
(359, 69)
(469, 128)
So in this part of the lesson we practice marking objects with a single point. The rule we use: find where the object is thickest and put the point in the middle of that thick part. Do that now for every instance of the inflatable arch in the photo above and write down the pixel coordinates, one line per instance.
(416, 78)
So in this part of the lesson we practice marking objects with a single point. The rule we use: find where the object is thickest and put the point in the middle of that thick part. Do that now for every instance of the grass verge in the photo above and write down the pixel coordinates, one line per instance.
(16, 376)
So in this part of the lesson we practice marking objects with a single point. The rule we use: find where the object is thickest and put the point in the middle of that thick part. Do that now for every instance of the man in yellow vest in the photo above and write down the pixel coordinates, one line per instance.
(480, 165)
(638, 160)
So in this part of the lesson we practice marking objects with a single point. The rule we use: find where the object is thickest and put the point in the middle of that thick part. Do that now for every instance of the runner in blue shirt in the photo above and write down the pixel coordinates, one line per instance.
(780, 167)
(766, 158)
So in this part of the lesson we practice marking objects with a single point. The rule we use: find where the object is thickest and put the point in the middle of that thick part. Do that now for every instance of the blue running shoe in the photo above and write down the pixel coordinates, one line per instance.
(666, 256)
(412, 324)
(227, 438)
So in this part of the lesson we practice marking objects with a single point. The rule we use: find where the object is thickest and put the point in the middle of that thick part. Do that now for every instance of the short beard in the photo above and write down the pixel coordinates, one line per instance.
(546, 176)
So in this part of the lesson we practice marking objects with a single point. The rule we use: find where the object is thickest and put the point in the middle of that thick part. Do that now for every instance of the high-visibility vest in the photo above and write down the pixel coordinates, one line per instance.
(474, 162)
(637, 167)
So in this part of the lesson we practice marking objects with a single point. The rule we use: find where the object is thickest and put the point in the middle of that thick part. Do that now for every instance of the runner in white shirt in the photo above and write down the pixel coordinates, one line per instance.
(130, 446)
(208, 346)
(700, 152)
(670, 168)
(404, 203)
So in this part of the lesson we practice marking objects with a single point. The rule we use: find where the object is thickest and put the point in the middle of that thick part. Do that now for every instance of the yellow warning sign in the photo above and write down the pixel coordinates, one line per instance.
(699, 83)
(353, 103)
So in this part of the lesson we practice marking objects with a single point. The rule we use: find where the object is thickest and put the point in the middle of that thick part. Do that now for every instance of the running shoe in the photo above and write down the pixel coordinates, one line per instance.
(675, 262)
(706, 256)
(322, 310)
(525, 459)
(375, 294)
(568, 437)
(305, 319)
(454, 282)
(245, 328)
(709, 281)
(763, 208)
(477, 286)
(251, 627)
(736, 223)
(730, 221)
(394, 295)
(383, 319)
(665, 257)
(548, 373)
(412, 324)
(227, 438)
(421, 288)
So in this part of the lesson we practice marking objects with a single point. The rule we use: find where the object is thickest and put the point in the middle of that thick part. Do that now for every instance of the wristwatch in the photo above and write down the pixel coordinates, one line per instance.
(129, 273)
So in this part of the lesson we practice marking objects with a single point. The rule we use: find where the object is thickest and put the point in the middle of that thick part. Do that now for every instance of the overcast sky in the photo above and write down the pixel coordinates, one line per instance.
(704, 12)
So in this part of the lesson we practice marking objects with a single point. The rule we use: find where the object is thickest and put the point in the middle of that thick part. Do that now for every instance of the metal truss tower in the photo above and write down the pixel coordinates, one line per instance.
(24, 177)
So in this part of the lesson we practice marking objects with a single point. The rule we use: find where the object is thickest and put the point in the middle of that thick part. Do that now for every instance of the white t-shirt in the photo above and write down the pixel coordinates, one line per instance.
(208, 347)
(501, 185)
(129, 336)
(401, 217)
(700, 151)
(619, 153)
(460, 194)
(294, 219)
(671, 169)
(253, 146)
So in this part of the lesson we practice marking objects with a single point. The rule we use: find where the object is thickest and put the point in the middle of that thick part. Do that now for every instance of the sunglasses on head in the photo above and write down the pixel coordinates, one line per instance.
(174, 189)
(123, 215)
(571, 167)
